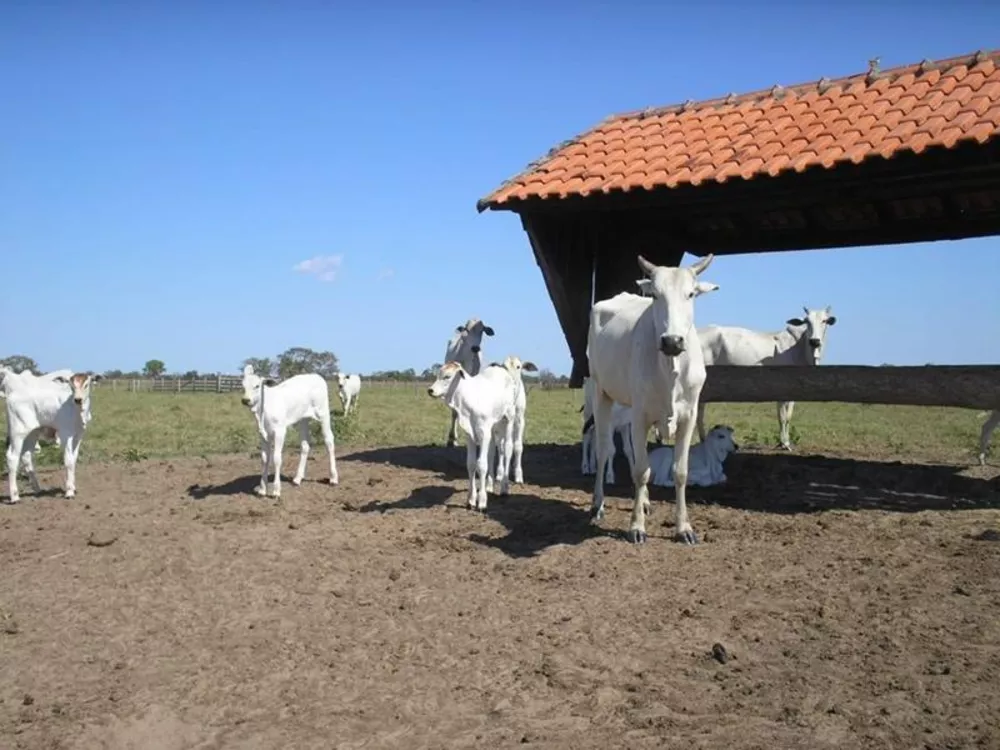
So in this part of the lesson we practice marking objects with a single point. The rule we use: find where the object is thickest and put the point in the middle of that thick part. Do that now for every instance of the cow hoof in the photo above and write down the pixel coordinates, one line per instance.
(636, 536)
(334, 479)
(784, 446)
(596, 514)
(686, 537)
(13, 500)
(296, 482)
(69, 494)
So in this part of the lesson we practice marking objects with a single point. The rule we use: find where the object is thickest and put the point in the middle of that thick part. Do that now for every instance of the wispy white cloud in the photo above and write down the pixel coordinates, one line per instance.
(386, 273)
(323, 267)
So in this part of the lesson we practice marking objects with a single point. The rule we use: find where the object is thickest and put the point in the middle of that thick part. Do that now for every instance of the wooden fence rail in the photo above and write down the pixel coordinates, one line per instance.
(222, 384)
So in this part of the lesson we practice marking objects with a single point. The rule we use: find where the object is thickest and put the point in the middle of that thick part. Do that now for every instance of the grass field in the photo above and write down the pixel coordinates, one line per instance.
(133, 426)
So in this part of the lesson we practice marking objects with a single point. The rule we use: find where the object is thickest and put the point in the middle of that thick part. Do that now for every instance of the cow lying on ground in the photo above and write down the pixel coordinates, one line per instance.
(705, 463)
(644, 352)
(276, 407)
(60, 404)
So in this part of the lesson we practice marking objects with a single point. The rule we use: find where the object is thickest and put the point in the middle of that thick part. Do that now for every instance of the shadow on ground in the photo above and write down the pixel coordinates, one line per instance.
(770, 482)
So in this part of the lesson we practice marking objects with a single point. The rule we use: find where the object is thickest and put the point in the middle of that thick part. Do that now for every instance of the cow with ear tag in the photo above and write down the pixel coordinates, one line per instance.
(465, 347)
(644, 352)
(277, 406)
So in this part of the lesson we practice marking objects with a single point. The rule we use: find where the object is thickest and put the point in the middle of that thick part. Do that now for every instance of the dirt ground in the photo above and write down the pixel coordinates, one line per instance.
(858, 603)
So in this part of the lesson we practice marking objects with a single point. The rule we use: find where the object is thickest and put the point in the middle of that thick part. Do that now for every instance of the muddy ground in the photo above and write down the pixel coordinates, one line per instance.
(858, 604)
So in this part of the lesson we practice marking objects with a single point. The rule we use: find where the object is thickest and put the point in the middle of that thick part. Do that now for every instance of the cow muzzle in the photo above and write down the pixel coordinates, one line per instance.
(78, 400)
(475, 349)
(671, 345)
(815, 343)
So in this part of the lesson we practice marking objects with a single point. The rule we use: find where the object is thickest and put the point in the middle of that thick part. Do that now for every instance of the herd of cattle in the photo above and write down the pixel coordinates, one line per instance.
(647, 369)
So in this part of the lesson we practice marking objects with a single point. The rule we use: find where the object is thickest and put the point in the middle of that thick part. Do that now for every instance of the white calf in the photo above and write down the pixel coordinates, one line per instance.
(801, 343)
(485, 405)
(276, 407)
(514, 367)
(705, 466)
(645, 353)
(621, 425)
(38, 404)
(465, 347)
(588, 463)
(984, 438)
(348, 388)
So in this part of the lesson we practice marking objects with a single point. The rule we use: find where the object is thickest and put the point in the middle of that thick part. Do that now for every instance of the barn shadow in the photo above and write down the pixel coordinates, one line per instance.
(770, 482)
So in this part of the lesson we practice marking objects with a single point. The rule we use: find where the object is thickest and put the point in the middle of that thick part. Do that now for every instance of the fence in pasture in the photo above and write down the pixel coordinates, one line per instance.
(234, 384)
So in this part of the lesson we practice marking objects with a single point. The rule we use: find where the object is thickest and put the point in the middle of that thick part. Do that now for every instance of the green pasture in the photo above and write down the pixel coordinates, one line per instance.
(134, 426)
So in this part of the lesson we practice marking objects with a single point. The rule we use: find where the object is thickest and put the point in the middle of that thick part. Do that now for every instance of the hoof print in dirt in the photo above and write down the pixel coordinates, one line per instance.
(719, 653)
(101, 539)
(989, 535)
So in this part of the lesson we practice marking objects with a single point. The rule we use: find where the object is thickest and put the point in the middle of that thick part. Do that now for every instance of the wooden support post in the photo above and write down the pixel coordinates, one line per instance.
(964, 386)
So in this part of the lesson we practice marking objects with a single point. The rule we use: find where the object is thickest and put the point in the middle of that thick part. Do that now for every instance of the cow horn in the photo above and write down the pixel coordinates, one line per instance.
(700, 265)
(647, 267)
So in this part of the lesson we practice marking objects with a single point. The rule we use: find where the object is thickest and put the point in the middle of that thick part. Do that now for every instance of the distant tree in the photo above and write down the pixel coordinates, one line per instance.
(114, 374)
(263, 366)
(154, 368)
(431, 372)
(20, 363)
(300, 359)
(190, 375)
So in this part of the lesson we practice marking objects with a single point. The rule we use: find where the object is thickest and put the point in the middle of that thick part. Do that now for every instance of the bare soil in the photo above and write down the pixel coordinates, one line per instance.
(849, 604)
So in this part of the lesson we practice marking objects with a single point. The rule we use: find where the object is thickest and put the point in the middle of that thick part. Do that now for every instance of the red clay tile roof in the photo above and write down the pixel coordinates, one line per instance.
(770, 132)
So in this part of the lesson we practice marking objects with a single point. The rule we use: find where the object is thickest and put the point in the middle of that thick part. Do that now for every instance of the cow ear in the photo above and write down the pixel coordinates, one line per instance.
(269, 381)
(645, 286)
(704, 287)
(459, 329)
(62, 379)
(487, 330)
(530, 367)
(795, 322)
(831, 320)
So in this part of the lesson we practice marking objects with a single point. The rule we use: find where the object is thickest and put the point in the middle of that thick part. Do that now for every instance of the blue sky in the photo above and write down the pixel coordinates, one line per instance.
(168, 166)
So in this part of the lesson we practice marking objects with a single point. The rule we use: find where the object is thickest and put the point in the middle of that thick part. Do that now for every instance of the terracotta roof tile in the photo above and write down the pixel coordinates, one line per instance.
(768, 133)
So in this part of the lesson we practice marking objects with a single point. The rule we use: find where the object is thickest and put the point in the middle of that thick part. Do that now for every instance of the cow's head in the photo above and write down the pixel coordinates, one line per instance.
(816, 323)
(515, 366)
(341, 379)
(721, 442)
(448, 375)
(673, 291)
(472, 334)
(253, 385)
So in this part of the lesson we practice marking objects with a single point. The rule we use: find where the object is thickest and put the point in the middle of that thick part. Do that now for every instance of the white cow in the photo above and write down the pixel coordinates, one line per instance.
(984, 438)
(348, 388)
(465, 347)
(276, 407)
(9, 379)
(485, 405)
(514, 367)
(705, 462)
(645, 353)
(35, 405)
(801, 343)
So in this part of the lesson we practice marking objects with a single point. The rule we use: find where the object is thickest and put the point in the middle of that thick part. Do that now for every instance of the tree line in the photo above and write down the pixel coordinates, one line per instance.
(292, 361)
